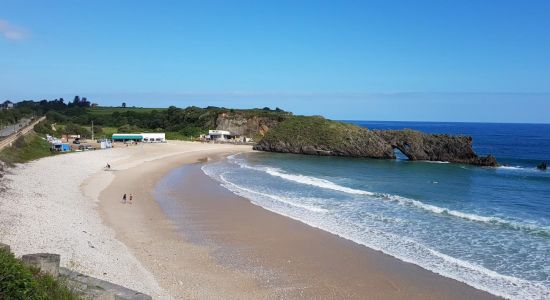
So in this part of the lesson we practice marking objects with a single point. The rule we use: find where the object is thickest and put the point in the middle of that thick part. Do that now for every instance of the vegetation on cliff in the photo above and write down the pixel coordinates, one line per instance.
(26, 148)
(319, 136)
(181, 123)
(277, 130)
(20, 282)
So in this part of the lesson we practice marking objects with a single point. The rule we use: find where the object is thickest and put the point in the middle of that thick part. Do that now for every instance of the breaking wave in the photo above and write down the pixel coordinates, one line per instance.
(401, 247)
(327, 184)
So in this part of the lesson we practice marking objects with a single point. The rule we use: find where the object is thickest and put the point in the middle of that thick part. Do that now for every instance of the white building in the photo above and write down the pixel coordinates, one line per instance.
(140, 137)
(218, 135)
(154, 137)
(7, 105)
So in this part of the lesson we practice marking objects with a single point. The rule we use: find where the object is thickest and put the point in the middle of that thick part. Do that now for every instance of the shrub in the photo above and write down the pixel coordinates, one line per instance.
(18, 281)
(44, 127)
(26, 148)
(55, 116)
(72, 128)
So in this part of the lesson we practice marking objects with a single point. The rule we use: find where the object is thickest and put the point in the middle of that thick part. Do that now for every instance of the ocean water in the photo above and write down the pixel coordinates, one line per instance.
(487, 227)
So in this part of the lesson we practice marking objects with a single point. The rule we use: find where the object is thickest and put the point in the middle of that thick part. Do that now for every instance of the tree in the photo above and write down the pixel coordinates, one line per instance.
(124, 104)
(84, 102)
(71, 128)
(98, 130)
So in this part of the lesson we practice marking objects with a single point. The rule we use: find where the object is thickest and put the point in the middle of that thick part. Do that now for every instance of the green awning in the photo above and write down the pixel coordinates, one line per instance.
(128, 137)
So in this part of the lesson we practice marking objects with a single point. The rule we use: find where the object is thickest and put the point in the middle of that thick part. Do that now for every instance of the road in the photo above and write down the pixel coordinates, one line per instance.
(10, 129)
(22, 131)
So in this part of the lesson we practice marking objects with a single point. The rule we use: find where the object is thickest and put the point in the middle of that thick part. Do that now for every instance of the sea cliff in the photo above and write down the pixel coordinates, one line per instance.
(319, 136)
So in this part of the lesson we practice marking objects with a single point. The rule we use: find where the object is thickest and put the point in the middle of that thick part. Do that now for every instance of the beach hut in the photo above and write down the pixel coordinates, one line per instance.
(125, 137)
(61, 147)
(218, 135)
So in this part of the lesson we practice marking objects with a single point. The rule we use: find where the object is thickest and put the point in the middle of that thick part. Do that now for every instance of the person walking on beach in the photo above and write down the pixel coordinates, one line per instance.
(124, 199)
(130, 199)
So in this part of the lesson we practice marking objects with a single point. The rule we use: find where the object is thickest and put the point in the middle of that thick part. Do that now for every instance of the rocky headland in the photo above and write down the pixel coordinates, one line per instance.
(319, 136)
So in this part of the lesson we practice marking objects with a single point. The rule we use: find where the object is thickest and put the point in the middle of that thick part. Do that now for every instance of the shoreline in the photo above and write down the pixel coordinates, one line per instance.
(291, 257)
(140, 247)
(183, 269)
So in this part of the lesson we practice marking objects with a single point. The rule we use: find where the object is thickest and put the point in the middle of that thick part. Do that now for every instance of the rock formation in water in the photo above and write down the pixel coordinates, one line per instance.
(417, 145)
(319, 136)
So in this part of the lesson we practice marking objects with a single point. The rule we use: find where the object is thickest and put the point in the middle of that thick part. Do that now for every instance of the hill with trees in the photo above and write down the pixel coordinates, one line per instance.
(77, 116)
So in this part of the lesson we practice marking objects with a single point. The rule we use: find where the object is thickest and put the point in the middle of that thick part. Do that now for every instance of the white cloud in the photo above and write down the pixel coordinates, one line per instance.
(12, 32)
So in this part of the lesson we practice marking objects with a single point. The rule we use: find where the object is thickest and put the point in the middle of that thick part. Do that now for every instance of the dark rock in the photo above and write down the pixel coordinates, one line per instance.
(542, 166)
(94, 288)
(417, 145)
(5, 247)
(46, 262)
(318, 136)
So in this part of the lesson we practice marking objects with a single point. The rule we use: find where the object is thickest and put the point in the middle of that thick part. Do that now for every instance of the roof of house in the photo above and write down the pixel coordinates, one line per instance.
(127, 136)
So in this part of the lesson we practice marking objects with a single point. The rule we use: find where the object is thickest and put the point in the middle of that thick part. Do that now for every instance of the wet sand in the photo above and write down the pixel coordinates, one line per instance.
(212, 244)
(288, 257)
(184, 270)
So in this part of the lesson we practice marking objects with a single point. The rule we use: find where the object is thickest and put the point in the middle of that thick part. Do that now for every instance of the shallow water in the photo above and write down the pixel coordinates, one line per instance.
(488, 227)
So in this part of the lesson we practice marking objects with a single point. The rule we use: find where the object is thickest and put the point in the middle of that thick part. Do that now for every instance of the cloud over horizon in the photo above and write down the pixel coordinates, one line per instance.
(12, 32)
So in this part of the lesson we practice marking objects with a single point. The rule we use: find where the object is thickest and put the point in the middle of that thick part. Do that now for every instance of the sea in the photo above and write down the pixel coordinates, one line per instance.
(487, 227)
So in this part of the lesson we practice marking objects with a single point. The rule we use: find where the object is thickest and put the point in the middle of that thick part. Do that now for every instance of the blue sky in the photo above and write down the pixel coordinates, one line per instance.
(482, 61)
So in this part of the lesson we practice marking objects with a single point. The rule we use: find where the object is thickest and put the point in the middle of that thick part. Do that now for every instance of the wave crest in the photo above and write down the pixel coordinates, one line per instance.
(327, 184)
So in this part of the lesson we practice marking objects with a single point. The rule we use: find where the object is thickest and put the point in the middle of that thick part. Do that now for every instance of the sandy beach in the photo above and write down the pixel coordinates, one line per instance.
(222, 247)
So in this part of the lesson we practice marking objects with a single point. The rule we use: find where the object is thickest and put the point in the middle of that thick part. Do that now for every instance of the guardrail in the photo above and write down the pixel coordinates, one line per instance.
(12, 137)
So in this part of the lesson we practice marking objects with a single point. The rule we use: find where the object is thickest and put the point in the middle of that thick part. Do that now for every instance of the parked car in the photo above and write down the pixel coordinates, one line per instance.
(77, 141)
(85, 147)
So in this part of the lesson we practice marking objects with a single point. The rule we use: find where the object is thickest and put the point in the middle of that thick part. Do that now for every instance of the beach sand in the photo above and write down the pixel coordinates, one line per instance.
(292, 259)
(223, 248)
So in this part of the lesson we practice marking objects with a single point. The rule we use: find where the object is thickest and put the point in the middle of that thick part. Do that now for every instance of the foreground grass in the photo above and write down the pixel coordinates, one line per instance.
(26, 148)
(18, 281)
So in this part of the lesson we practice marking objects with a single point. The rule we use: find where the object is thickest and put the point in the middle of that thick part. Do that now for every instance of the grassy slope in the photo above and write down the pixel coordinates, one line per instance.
(108, 131)
(200, 119)
(307, 130)
(18, 281)
(26, 148)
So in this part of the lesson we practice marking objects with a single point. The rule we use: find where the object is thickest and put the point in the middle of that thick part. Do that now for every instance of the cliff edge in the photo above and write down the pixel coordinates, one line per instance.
(319, 136)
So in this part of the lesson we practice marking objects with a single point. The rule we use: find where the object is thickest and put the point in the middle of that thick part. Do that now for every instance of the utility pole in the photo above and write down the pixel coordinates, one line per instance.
(92, 130)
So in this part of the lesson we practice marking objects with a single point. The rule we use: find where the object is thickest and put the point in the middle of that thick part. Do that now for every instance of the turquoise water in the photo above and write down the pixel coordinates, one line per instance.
(487, 227)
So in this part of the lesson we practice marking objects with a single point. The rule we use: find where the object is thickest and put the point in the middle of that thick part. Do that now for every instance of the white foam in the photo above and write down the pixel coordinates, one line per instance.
(510, 168)
(518, 169)
(533, 228)
(303, 179)
(318, 182)
(403, 248)
(326, 184)
(292, 202)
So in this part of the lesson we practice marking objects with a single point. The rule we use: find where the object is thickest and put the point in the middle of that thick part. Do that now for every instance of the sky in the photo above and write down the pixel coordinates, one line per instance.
(478, 61)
